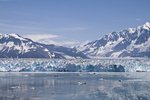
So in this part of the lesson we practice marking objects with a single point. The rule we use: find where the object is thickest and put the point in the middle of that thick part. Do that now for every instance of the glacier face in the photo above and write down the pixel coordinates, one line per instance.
(74, 65)
(131, 42)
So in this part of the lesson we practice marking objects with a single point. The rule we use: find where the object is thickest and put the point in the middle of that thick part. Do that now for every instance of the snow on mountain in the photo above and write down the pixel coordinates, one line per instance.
(131, 42)
(15, 46)
(65, 51)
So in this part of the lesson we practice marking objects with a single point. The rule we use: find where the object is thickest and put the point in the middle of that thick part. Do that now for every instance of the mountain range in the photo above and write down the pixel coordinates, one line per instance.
(15, 46)
(131, 42)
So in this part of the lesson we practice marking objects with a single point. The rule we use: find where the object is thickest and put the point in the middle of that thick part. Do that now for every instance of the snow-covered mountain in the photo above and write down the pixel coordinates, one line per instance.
(131, 42)
(15, 46)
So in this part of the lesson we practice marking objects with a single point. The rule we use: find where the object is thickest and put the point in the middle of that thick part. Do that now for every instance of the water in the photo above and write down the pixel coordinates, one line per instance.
(75, 86)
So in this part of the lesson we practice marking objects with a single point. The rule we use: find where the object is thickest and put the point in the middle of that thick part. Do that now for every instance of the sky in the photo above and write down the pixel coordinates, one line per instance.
(70, 22)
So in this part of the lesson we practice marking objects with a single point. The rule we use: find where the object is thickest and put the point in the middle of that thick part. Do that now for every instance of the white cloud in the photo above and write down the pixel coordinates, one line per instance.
(85, 42)
(50, 39)
(38, 37)
(60, 43)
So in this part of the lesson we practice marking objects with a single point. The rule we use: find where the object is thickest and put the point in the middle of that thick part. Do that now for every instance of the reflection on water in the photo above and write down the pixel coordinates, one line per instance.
(74, 86)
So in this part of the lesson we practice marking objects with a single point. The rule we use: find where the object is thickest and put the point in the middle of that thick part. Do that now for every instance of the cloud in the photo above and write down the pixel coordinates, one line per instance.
(33, 27)
(70, 43)
(60, 43)
(85, 42)
(40, 36)
(51, 39)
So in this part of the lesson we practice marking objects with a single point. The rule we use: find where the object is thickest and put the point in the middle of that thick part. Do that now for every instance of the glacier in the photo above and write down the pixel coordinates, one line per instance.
(75, 65)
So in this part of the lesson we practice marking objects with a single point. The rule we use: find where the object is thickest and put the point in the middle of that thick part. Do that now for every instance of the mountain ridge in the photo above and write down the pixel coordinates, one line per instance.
(15, 46)
(131, 42)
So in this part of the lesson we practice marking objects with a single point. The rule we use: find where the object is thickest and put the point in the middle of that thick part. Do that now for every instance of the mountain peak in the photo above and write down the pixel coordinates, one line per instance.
(131, 30)
(130, 42)
(146, 26)
(16, 36)
(16, 46)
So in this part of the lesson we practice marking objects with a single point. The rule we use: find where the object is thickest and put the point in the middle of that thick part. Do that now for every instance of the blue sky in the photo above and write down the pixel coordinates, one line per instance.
(71, 21)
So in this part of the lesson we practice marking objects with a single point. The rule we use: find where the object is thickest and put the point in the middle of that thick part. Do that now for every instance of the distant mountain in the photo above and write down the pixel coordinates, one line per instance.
(15, 46)
(131, 42)
(65, 51)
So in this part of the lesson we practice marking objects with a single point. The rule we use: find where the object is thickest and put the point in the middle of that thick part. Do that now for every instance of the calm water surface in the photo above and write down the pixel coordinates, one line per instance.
(75, 86)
